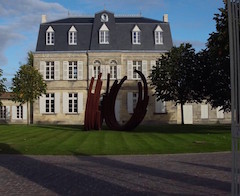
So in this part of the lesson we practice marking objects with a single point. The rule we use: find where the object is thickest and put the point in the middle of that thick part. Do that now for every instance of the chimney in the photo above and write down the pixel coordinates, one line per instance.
(44, 18)
(165, 18)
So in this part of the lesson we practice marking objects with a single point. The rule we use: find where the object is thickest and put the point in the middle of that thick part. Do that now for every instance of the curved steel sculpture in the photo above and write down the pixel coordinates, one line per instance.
(92, 118)
(108, 105)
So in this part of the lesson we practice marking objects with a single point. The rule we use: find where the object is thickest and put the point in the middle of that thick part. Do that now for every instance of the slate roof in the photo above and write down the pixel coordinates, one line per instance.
(120, 33)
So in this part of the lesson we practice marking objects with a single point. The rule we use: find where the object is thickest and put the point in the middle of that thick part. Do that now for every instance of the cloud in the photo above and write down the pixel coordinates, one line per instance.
(19, 18)
(7, 38)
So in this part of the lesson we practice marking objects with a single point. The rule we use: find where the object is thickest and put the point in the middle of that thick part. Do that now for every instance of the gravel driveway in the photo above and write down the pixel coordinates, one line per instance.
(181, 174)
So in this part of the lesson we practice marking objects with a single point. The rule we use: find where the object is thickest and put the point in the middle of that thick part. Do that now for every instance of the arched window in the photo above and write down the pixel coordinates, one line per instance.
(72, 36)
(113, 69)
(96, 68)
(50, 36)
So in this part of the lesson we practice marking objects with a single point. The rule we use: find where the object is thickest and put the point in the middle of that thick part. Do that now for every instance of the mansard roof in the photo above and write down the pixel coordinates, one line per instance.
(120, 37)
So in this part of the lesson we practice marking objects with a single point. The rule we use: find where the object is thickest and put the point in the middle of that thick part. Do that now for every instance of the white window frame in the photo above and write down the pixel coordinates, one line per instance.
(49, 70)
(103, 37)
(104, 34)
(50, 107)
(96, 68)
(19, 112)
(158, 37)
(73, 74)
(72, 102)
(113, 69)
(72, 36)
(3, 112)
(136, 35)
(50, 36)
(138, 66)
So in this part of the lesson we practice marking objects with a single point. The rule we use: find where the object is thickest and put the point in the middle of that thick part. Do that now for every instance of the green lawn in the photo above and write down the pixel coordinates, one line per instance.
(72, 140)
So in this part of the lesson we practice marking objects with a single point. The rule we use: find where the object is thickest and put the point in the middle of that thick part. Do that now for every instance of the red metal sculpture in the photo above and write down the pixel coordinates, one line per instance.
(108, 107)
(93, 116)
(92, 113)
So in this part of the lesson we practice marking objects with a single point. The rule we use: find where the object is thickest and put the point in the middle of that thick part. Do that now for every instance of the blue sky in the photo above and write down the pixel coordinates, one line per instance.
(190, 21)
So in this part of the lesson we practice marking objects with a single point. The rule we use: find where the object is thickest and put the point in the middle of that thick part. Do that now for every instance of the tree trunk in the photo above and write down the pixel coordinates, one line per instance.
(27, 114)
(31, 112)
(182, 115)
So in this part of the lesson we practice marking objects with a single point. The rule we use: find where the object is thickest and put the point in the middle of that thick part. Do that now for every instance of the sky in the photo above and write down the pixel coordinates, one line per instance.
(190, 21)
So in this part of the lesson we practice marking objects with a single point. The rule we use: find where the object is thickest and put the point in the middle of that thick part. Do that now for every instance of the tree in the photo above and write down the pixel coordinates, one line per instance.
(175, 77)
(2, 86)
(216, 57)
(28, 84)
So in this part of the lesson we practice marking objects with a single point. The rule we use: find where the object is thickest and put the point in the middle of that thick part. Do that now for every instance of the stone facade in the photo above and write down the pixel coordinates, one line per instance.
(80, 86)
(11, 112)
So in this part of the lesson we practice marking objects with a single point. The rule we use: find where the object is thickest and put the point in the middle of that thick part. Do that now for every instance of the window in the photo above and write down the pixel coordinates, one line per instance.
(160, 107)
(50, 105)
(104, 35)
(50, 36)
(72, 36)
(72, 102)
(20, 112)
(72, 70)
(138, 66)
(136, 35)
(158, 35)
(220, 113)
(104, 17)
(3, 112)
(50, 70)
(96, 68)
(135, 100)
(204, 111)
(113, 70)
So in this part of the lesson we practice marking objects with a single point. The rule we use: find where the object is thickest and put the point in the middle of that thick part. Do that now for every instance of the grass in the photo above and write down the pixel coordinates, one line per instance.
(72, 140)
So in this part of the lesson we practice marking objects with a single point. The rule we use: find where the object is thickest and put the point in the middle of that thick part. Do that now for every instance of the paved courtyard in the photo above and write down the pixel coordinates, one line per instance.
(182, 174)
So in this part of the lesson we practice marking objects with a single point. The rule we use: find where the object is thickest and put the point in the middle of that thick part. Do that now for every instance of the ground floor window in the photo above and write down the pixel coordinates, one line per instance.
(134, 100)
(19, 112)
(137, 65)
(72, 102)
(50, 105)
(2, 112)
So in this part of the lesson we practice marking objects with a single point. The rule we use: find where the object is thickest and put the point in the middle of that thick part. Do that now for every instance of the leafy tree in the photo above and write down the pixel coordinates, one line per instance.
(217, 64)
(175, 78)
(2, 86)
(28, 84)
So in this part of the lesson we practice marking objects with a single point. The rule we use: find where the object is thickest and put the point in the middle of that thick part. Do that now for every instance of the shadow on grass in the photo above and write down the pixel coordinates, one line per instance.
(199, 129)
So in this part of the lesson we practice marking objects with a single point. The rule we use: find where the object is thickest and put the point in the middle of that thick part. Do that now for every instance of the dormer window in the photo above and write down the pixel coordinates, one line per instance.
(158, 33)
(72, 36)
(136, 35)
(50, 36)
(104, 35)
